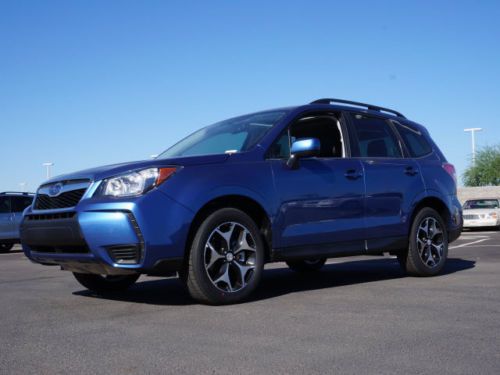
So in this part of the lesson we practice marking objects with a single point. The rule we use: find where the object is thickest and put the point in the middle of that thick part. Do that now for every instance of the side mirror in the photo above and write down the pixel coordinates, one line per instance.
(303, 148)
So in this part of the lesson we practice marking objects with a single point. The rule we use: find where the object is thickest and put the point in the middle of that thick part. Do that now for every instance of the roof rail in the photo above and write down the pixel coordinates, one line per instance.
(368, 106)
(16, 192)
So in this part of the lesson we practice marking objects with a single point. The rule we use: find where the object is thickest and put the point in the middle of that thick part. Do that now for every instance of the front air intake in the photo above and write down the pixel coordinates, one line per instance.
(125, 254)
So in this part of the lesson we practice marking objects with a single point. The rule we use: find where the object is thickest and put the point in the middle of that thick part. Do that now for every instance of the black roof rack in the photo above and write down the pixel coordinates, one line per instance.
(16, 192)
(368, 106)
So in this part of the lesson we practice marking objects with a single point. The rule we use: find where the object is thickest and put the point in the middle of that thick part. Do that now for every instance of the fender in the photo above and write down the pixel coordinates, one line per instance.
(223, 191)
(446, 201)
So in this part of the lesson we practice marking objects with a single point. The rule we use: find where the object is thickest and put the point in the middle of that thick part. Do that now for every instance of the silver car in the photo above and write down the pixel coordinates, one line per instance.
(482, 213)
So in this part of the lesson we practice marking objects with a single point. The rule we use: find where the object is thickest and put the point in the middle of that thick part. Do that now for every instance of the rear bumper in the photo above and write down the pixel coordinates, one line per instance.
(455, 225)
(109, 236)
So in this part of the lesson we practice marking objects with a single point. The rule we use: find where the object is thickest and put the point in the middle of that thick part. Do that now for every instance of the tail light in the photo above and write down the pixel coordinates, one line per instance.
(450, 168)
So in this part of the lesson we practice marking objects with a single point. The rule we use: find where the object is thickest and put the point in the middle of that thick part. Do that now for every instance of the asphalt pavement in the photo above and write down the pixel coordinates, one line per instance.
(357, 316)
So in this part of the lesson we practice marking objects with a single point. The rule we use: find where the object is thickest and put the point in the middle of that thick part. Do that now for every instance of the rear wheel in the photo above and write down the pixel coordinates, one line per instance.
(226, 258)
(428, 245)
(306, 265)
(106, 283)
(6, 247)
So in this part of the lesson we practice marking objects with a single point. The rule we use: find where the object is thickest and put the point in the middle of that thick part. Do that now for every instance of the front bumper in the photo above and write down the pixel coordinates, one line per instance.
(477, 223)
(109, 236)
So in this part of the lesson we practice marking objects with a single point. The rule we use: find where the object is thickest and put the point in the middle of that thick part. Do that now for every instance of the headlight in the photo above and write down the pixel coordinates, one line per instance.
(135, 183)
(493, 215)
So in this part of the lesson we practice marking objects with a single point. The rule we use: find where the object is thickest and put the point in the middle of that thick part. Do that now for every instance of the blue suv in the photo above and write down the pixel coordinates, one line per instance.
(299, 184)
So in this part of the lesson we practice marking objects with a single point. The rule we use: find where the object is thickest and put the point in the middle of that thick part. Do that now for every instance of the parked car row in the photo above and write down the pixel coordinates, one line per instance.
(297, 184)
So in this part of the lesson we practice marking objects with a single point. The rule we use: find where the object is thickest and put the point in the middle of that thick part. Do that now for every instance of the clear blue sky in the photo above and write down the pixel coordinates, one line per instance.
(87, 83)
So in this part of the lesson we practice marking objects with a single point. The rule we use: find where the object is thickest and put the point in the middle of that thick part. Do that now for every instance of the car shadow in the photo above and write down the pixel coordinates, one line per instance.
(14, 251)
(279, 281)
(480, 229)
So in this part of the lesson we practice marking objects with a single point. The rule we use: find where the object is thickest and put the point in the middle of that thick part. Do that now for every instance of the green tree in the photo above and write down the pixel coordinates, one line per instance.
(487, 168)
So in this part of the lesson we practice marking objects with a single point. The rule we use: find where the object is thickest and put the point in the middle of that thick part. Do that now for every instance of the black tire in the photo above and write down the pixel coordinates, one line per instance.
(199, 280)
(402, 259)
(6, 247)
(106, 284)
(306, 265)
(422, 258)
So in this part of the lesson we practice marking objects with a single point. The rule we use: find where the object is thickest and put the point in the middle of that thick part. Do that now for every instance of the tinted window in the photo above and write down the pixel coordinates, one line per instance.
(375, 138)
(281, 147)
(4, 205)
(325, 128)
(415, 142)
(20, 203)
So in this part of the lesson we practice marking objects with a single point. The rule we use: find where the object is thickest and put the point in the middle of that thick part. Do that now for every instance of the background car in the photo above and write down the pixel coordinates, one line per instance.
(12, 205)
(482, 213)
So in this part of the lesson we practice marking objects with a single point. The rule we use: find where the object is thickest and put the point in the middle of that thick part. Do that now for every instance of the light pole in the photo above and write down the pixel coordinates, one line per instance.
(473, 139)
(47, 165)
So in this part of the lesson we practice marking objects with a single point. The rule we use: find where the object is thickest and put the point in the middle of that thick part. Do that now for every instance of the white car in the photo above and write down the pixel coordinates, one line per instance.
(482, 213)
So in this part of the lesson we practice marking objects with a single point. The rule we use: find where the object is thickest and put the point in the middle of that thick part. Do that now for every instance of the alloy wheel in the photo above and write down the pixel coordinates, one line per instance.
(430, 242)
(230, 257)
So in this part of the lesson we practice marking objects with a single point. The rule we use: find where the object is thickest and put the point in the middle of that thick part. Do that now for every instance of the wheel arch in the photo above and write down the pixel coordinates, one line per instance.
(435, 203)
(244, 203)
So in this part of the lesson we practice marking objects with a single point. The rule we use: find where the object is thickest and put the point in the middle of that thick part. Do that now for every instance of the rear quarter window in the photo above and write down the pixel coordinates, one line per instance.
(415, 141)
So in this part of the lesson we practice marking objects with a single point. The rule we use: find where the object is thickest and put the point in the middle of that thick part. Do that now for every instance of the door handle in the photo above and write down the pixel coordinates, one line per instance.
(410, 171)
(353, 174)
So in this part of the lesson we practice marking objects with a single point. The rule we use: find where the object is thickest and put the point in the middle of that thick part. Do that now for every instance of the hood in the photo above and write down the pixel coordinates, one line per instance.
(99, 173)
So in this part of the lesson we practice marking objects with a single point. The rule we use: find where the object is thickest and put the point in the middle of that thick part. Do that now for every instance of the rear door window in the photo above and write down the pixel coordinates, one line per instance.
(20, 203)
(415, 141)
(375, 138)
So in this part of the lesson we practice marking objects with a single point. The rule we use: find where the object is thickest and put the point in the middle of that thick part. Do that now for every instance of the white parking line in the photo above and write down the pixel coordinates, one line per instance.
(468, 243)
(472, 237)
(476, 233)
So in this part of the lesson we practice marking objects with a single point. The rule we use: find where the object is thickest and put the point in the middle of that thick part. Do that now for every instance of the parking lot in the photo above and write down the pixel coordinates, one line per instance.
(357, 316)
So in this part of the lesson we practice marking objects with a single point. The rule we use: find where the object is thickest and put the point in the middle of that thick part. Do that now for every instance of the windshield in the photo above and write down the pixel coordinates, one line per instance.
(234, 135)
(481, 203)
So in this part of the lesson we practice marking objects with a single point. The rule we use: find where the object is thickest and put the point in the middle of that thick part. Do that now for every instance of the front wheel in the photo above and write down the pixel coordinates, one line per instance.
(428, 245)
(226, 258)
(106, 283)
(5, 247)
(306, 265)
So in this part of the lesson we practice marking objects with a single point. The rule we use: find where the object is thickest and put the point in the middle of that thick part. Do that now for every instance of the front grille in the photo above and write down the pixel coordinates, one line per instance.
(125, 254)
(70, 249)
(471, 217)
(63, 200)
